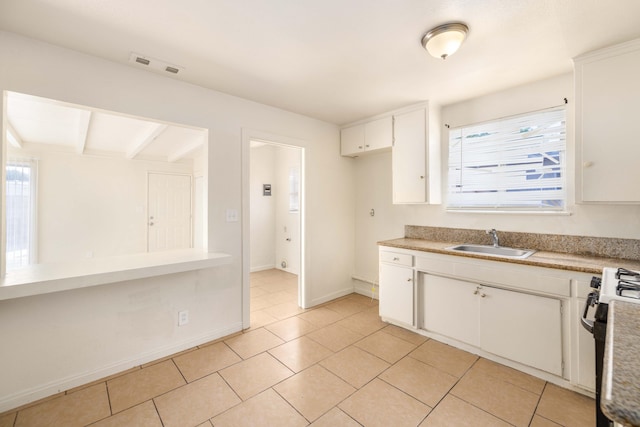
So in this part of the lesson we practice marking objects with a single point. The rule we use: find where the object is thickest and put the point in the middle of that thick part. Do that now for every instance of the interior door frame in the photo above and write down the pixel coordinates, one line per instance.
(249, 135)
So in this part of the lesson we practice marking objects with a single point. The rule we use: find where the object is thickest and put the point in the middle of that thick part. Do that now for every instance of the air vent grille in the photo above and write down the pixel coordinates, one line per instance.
(155, 64)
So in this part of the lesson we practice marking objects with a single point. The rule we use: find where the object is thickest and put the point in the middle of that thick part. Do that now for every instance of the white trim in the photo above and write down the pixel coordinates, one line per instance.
(513, 212)
(249, 135)
(367, 287)
(263, 268)
(30, 395)
(331, 296)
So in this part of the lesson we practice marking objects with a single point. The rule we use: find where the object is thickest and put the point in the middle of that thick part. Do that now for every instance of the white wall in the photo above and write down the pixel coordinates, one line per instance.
(90, 206)
(263, 215)
(271, 222)
(373, 184)
(54, 341)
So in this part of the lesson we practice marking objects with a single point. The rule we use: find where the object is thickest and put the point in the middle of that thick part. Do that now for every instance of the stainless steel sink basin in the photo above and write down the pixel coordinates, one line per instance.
(499, 251)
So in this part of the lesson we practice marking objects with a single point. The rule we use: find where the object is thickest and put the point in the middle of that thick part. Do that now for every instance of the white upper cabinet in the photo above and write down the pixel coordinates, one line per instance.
(413, 133)
(409, 157)
(352, 140)
(373, 135)
(416, 157)
(378, 134)
(608, 146)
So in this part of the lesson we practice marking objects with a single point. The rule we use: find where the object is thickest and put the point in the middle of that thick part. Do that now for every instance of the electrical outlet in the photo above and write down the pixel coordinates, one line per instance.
(183, 317)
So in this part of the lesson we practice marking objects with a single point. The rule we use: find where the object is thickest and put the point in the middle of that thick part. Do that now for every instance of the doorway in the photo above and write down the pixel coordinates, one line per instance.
(273, 229)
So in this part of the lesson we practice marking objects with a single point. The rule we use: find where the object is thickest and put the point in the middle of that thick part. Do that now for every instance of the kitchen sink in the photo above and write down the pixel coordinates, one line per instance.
(498, 251)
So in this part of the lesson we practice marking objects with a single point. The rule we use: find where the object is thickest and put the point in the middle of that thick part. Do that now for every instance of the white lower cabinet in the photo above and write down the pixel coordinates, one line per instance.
(522, 327)
(517, 326)
(396, 293)
(450, 308)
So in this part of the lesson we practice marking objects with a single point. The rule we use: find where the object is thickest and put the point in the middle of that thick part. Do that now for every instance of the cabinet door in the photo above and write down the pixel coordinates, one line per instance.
(409, 162)
(396, 293)
(450, 308)
(378, 134)
(608, 90)
(352, 140)
(521, 327)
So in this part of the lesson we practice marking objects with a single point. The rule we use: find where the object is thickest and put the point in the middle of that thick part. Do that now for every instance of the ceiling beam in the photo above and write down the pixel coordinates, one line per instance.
(13, 136)
(140, 145)
(184, 151)
(83, 130)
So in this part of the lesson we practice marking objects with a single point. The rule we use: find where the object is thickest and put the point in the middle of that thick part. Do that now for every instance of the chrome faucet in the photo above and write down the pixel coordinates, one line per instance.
(494, 237)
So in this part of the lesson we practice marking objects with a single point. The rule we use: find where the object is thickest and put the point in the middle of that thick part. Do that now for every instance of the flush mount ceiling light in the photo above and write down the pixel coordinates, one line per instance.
(445, 39)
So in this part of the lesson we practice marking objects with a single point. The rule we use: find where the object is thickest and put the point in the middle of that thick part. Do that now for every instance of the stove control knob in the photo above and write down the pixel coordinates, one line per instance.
(596, 282)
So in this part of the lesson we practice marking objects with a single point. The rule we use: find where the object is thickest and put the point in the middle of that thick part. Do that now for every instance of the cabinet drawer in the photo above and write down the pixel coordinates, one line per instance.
(396, 258)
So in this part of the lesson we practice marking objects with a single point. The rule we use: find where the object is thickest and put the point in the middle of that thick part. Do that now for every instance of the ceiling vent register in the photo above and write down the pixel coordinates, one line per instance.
(154, 64)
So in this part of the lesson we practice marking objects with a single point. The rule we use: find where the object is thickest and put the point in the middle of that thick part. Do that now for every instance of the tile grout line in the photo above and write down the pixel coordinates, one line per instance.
(106, 385)
(180, 371)
(535, 410)
(482, 409)
(157, 411)
(453, 386)
(289, 403)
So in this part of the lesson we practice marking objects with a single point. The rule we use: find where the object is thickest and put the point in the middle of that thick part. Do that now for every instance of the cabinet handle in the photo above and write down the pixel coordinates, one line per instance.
(409, 279)
(482, 295)
(421, 176)
(367, 145)
(395, 258)
(360, 147)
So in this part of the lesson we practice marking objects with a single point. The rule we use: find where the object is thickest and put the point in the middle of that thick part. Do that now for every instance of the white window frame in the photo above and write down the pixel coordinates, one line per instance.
(32, 254)
(512, 164)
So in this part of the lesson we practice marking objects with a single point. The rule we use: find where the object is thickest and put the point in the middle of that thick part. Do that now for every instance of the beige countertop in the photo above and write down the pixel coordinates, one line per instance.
(620, 399)
(562, 261)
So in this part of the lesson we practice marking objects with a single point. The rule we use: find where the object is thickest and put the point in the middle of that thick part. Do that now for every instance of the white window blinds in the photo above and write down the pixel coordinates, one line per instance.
(512, 163)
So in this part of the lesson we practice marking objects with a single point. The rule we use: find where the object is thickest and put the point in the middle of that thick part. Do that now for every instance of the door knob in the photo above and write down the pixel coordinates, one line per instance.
(151, 223)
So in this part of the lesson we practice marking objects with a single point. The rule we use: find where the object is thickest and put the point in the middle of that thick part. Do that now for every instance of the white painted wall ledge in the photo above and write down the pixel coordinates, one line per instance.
(47, 278)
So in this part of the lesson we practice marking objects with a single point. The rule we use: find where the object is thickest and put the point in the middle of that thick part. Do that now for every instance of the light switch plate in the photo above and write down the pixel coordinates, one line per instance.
(183, 317)
(232, 215)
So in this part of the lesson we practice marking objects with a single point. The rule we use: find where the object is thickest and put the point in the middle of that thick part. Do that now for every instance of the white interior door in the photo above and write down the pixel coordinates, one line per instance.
(169, 212)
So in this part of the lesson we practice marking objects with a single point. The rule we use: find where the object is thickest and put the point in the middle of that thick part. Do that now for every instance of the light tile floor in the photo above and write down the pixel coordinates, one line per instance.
(335, 365)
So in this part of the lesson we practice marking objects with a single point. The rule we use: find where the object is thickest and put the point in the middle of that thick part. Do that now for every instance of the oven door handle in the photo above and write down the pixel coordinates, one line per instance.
(588, 324)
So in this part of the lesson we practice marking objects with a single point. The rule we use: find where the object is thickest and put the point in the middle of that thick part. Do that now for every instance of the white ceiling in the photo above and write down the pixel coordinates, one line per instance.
(336, 60)
(60, 126)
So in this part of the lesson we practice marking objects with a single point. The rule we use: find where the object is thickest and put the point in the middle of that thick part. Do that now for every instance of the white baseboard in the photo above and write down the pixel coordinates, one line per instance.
(365, 287)
(40, 392)
(262, 268)
(330, 297)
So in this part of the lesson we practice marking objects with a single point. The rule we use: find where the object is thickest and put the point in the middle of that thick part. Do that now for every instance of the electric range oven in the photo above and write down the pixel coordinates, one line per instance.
(616, 284)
